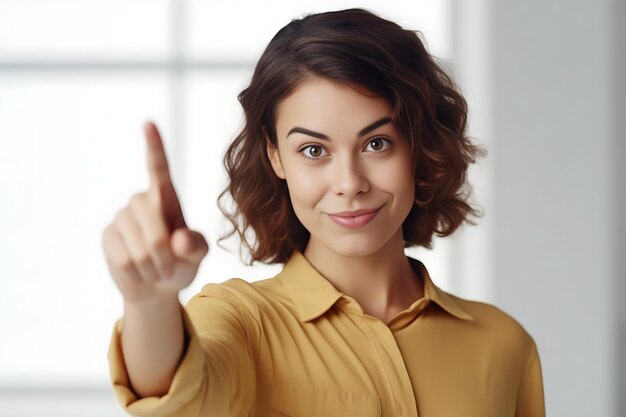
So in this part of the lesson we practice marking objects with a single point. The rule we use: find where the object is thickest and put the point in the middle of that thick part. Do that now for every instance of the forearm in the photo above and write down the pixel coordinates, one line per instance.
(152, 344)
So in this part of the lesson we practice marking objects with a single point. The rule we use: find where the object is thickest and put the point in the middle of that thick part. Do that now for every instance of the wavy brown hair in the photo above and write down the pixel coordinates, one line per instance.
(357, 48)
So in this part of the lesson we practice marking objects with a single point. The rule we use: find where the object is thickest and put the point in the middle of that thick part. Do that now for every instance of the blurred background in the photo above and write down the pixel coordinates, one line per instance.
(545, 82)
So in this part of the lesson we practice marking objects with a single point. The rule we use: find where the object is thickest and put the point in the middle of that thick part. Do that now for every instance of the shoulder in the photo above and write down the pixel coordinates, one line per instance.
(244, 291)
(248, 297)
(497, 327)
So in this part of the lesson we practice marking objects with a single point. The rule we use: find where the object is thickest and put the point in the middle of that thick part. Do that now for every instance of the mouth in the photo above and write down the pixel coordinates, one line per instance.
(354, 213)
(354, 219)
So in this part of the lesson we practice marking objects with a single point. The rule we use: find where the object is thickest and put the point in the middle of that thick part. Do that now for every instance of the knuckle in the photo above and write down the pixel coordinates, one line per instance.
(136, 200)
(158, 165)
(154, 195)
(143, 259)
(126, 264)
(120, 216)
(159, 243)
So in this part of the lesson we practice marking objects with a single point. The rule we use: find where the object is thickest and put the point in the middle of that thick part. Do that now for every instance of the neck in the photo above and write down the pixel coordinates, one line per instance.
(382, 282)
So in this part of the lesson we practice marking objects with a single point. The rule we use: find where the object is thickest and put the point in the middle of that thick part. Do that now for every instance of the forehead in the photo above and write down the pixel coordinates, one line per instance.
(325, 103)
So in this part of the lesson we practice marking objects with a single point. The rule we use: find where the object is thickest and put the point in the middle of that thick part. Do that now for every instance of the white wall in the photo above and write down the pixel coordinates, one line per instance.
(555, 131)
(619, 192)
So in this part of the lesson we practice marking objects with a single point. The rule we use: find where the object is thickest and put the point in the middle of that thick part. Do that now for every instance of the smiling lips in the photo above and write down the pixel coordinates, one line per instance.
(354, 219)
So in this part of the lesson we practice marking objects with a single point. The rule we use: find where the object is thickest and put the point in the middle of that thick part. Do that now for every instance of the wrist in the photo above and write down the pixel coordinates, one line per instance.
(157, 301)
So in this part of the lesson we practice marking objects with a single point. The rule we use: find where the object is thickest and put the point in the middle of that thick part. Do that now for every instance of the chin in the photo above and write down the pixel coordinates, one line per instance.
(355, 247)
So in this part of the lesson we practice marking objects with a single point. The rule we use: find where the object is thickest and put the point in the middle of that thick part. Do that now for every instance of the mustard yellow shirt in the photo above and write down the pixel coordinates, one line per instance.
(293, 345)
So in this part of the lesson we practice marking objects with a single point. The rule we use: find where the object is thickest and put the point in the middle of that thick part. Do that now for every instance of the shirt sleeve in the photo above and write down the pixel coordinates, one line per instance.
(216, 375)
(530, 398)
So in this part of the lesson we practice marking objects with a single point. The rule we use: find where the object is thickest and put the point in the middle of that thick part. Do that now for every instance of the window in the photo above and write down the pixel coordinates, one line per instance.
(77, 80)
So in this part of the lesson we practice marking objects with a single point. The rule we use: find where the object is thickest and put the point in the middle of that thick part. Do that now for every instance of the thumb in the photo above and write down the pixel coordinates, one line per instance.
(188, 245)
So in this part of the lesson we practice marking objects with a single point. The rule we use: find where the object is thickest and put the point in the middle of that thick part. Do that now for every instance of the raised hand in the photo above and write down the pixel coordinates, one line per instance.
(149, 250)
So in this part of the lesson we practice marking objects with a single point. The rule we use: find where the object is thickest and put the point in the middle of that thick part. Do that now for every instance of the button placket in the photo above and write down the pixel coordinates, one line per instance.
(398, 399)
(394, 368)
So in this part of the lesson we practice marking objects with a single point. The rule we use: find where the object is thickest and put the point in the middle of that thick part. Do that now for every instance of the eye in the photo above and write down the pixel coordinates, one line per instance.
(378, 144)
(315, 153)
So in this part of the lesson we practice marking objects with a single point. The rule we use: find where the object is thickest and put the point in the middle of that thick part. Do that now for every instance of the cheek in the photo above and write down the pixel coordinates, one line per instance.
(402, 185)
(397, 178)
(304, 189)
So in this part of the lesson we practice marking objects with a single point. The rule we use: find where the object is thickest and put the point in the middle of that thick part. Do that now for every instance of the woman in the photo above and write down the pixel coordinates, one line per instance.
(354, 148)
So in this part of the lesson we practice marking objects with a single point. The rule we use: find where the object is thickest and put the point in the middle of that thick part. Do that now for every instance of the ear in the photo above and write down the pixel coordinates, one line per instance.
(274, 157)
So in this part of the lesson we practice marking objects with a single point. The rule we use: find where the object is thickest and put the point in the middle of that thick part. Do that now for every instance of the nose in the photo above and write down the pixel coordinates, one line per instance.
(348, 177)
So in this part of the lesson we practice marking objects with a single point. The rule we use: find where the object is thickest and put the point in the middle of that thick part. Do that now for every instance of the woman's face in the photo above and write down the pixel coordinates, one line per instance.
(339, 151)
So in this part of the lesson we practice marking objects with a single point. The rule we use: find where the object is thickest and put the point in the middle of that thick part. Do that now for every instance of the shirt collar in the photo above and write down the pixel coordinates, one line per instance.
(312, 294)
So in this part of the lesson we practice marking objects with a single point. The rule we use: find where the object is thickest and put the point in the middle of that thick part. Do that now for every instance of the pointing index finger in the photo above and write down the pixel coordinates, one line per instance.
(158, 167)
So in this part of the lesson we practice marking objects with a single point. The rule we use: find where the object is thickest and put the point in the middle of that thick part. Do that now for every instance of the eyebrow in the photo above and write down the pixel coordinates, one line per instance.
(322, 136)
